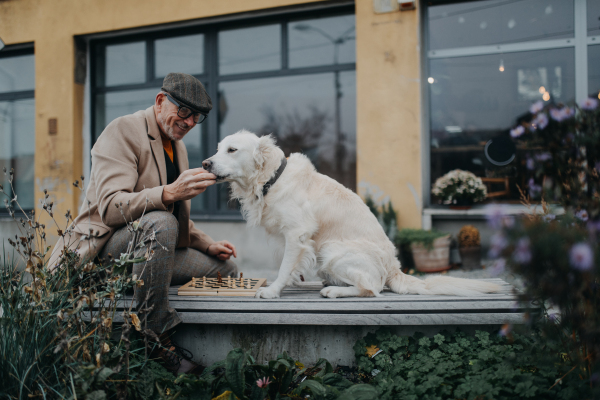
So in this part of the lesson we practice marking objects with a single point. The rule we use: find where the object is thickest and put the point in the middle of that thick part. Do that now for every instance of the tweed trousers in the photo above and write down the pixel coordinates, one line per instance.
(167, 266)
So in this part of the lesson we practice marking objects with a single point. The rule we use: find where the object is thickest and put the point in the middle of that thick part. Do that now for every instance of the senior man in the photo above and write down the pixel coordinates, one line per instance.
(140, 172)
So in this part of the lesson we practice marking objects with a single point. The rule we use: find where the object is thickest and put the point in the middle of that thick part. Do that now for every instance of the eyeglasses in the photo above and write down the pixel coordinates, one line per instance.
(184, 112)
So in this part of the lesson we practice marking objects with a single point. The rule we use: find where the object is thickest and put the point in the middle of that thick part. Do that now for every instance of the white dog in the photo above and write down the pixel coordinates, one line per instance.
(326, 227)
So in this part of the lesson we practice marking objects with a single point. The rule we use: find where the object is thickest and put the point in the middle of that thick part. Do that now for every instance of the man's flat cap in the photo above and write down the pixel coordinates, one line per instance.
(188, 91)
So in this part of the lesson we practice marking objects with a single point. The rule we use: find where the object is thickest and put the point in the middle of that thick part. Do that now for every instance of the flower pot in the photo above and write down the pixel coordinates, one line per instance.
(470, 257)
(435, 259)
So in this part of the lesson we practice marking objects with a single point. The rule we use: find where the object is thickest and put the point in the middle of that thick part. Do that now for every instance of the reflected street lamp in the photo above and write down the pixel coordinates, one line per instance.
(340, 148)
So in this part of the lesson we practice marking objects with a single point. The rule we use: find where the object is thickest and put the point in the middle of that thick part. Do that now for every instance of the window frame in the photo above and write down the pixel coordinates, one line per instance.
(579, 42)
(210, 77)
(9, 51)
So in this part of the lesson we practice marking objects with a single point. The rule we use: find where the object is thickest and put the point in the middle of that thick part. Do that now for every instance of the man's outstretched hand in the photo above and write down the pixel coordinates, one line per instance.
(189, 184)
(223, 250)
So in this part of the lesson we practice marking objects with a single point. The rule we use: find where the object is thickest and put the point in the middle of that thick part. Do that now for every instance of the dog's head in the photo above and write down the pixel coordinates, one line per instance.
(243, 158)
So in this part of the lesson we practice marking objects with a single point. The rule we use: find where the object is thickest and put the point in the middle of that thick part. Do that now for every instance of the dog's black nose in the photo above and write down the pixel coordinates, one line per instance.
(207, 164)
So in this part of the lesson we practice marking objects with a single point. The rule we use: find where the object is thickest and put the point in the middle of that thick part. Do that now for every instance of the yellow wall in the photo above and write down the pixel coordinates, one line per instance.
(387, 84)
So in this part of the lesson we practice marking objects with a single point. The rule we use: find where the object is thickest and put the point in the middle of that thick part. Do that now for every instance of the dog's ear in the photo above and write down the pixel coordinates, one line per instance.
(265, 147)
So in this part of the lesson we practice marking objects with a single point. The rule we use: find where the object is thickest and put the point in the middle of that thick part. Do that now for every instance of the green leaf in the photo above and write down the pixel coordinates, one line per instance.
(315, 387)
(234, 367)
(360, 392)
(103, 374)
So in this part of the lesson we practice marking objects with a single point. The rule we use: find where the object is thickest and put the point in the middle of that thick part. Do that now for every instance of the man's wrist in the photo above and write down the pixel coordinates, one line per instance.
(167, 196)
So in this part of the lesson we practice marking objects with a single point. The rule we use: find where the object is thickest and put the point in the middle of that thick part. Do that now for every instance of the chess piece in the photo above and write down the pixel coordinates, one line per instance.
(229, 281)
(219, 278)
(203, 282)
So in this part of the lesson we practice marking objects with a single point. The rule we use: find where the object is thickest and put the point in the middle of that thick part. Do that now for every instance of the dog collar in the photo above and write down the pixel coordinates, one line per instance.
(272, 181)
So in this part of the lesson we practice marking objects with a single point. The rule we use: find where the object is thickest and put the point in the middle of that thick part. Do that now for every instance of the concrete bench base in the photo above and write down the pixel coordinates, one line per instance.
(308, 326)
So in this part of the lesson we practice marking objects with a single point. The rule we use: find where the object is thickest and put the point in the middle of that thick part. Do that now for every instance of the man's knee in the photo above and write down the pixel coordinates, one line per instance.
(229, 268)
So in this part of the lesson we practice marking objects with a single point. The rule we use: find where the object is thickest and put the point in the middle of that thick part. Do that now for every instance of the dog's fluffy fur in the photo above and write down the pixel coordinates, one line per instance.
(327, 229)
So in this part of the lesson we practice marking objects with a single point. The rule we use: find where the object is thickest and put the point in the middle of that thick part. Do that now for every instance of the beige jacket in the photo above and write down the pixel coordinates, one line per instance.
(128, 166)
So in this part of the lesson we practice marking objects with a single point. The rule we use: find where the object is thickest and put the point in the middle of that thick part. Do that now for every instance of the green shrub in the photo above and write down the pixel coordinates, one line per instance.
(460, 366)
(407, 236)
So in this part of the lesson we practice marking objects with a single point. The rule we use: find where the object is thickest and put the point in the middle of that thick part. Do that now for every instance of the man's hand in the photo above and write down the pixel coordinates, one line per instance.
(223, 250)
(188, 185)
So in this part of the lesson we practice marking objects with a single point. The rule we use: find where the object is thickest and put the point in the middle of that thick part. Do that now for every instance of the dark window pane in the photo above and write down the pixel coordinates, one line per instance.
(125, 64)
(322, 41)
(179, 54)
(17, 138)
(472, 101)
(250, 49)
(594, 71)
(17, 73)
(479, 23)
(304, 122)
(593, 17)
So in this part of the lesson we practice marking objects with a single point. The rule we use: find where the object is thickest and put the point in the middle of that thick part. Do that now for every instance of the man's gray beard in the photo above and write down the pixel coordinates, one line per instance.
(168, 130)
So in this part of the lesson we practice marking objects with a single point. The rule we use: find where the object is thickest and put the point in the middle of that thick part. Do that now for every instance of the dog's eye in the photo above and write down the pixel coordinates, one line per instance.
(231, 150)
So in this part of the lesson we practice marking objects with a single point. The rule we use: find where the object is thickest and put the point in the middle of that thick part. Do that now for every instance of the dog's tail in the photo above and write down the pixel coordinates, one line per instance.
(442, 285)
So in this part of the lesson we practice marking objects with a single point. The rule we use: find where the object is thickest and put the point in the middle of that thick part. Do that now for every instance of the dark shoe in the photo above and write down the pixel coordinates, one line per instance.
(175, 362)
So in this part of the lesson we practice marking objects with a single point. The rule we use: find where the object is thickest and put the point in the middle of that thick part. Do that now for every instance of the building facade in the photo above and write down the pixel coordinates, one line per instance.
(381, 99)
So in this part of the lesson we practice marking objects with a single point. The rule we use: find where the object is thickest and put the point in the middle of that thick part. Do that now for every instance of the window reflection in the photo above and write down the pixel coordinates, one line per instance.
(472, 102)
(179, 54)
(250, 49)
(593, 17)
(594, 71)
(17, 73)
(479, 23)
(125, 64)
(322, 41)
(303, 122)
(17, 134)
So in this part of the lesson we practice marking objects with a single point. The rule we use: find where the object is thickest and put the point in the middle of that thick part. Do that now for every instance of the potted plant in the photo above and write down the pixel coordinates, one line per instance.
(430, 249)
(459, 189)
(469, 247)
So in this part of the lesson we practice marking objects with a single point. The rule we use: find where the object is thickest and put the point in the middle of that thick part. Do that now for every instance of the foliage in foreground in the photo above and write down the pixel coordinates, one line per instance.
(460, 366)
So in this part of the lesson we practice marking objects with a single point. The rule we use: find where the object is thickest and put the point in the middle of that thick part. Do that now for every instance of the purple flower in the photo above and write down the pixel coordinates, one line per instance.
(589, 104)
(582, 215)
(545, 156)
(540, 121)
(536, 107)
(530, 164)
(498, 267)
(562, 114)
(549, 217)
(593, 226)
(518, 131)
(522, 253)
(495, 213)
(498, 243)
(534, 190)
(581, 256)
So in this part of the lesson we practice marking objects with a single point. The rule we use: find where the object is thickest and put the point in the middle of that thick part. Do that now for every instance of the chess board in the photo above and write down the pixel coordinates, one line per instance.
(227, 287)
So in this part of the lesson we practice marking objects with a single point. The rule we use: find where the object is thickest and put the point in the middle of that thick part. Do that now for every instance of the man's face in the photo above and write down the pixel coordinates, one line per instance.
(172, 125)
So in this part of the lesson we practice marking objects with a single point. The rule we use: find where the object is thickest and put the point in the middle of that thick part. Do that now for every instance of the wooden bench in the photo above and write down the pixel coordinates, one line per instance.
(308, 326)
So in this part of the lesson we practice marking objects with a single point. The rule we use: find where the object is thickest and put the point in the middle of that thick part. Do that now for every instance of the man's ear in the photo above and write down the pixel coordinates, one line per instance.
(265, 147)
(158, 101)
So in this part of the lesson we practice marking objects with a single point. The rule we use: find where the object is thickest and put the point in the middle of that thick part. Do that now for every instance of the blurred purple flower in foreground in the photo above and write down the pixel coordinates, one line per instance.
(589, 104)
(549, 217)
(505, 331)
(545, 156)
(522, 253)
(530, 164)
(536, 107)
(534, 190)
(495, 214)
(562, 113)
(498, 242)
(540, 121)
(582, 215)
(518, 131)
(498, 267)
(581, 256)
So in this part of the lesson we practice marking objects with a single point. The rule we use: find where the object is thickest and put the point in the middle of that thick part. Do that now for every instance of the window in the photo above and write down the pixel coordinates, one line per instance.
(17, 126)
(488, 61)
(292, 77)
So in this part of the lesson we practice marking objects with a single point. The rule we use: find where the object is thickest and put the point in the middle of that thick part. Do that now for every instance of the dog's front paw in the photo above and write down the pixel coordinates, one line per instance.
(267, 293)
(330, 291)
